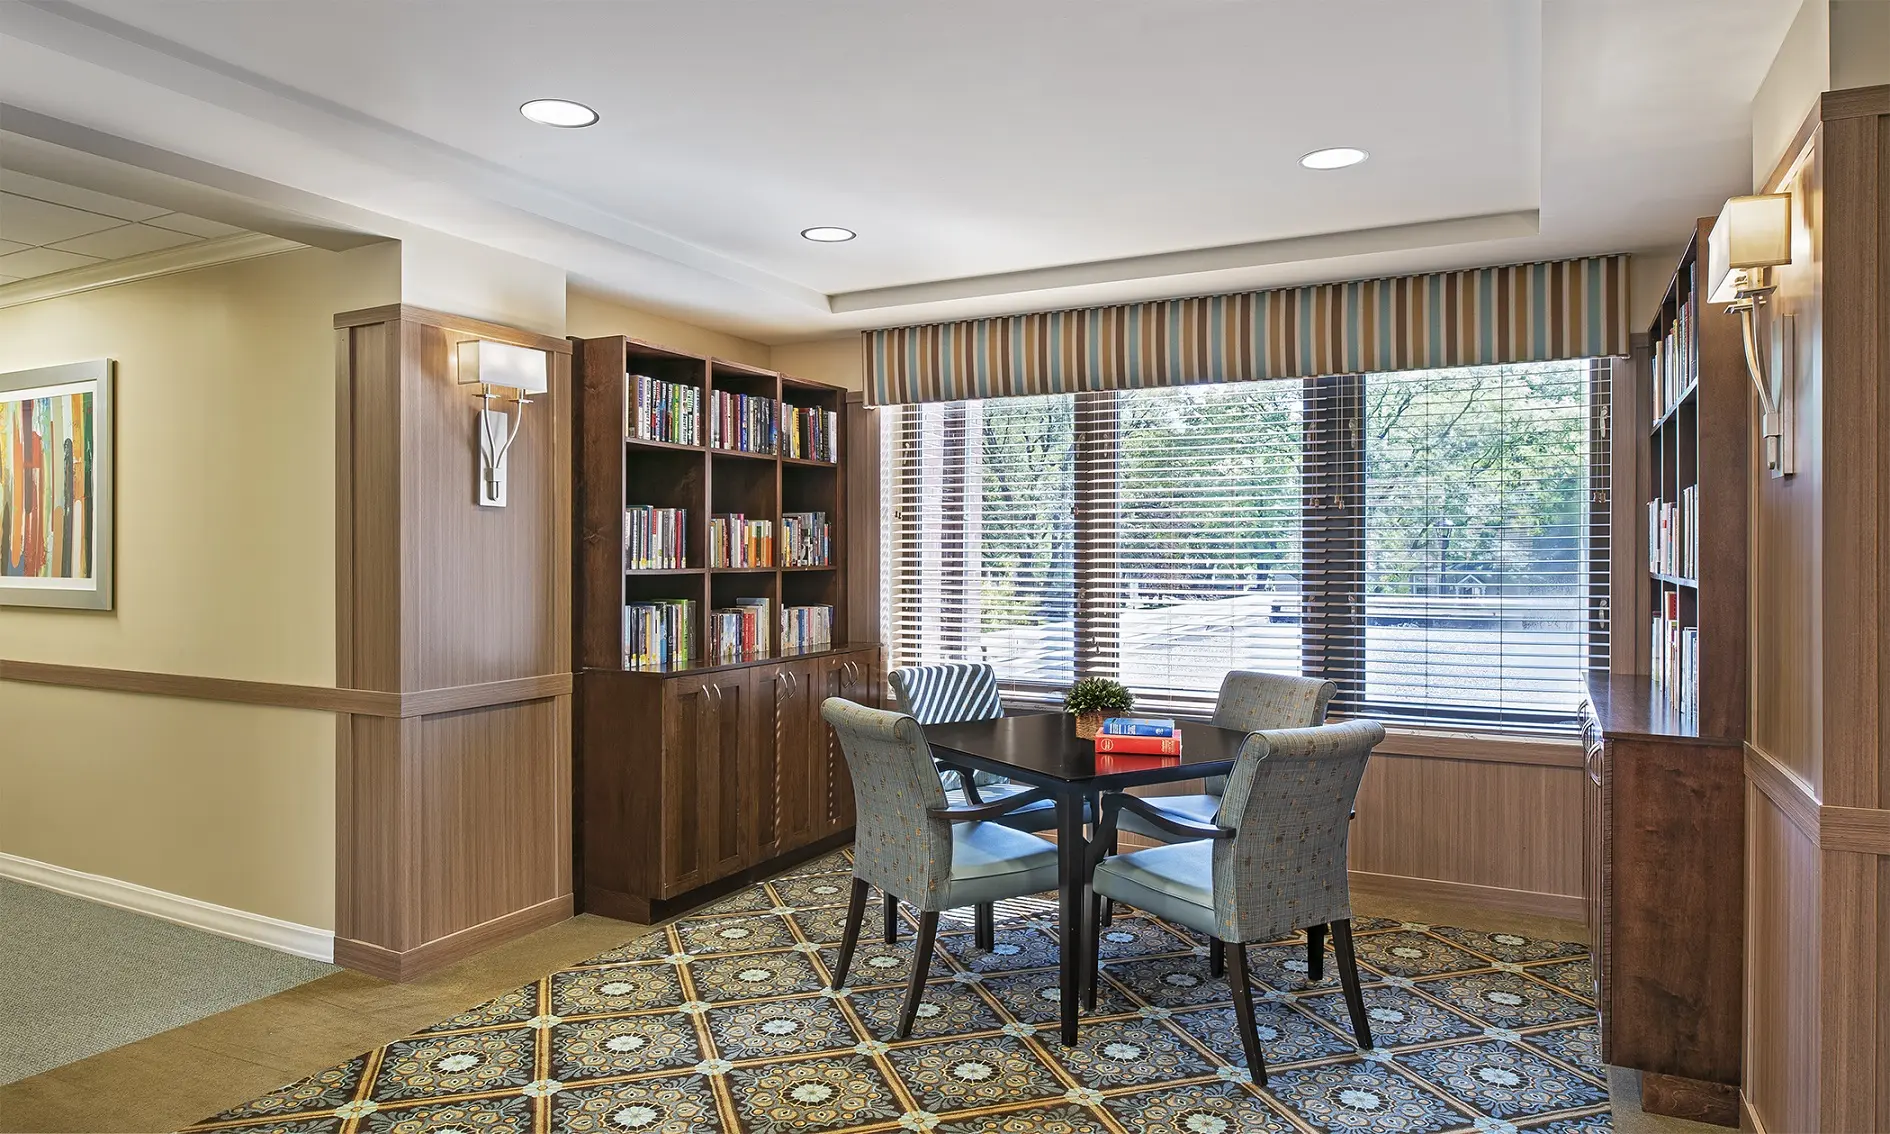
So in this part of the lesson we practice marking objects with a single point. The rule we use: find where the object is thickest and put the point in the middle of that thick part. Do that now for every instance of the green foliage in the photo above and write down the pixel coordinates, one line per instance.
(1098, 695)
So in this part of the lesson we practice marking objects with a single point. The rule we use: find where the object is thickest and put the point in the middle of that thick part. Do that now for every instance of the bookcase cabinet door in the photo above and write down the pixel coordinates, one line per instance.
(779, 784)
(703, 761)
(855, 677)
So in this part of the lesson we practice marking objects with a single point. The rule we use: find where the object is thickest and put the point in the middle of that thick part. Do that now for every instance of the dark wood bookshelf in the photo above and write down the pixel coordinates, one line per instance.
(1664, 783)
(691, 776)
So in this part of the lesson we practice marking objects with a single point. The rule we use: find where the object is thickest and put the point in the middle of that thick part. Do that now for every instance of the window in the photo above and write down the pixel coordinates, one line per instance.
(1435, 541)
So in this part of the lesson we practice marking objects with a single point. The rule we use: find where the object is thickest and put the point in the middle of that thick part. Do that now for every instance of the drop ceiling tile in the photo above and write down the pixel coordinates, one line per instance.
(196, 226)
(26, 185)
(130, 240)
(7, 246)
(41, 262)
(25, 220)
(4, 280)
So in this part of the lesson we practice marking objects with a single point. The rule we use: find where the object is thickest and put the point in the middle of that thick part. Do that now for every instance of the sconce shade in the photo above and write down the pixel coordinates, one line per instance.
(501, 364)
(1752, 232)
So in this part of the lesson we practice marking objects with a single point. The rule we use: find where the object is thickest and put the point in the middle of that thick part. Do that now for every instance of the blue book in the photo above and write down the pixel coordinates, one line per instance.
(1138, 726)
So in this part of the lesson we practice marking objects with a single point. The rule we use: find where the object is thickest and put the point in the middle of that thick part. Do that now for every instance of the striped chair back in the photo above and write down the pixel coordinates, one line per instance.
(943, 694)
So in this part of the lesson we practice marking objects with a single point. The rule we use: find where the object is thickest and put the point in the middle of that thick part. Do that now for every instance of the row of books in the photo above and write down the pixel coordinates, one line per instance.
(741, 422)
(806, 628)
(1676, 355)
(656, 635)
(810, 434)
(1676, 656)
(806, 539)
(739, 632)
(737, 541)
(1673, 534)
(655, 539)
(663, 411)
(1144, 736)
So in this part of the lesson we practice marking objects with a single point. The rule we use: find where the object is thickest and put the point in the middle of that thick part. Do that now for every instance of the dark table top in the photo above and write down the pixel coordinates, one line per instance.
(1043, 748)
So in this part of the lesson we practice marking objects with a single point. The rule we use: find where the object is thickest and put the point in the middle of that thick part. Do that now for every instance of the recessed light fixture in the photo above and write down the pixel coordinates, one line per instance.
(828, 234)
(1336, 158)
(558, 112)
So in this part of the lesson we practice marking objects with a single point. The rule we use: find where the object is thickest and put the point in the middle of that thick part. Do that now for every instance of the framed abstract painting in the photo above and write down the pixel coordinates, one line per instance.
(56, 486)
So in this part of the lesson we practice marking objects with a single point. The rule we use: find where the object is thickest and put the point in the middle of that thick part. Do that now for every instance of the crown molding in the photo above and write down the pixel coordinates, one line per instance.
(169, 261)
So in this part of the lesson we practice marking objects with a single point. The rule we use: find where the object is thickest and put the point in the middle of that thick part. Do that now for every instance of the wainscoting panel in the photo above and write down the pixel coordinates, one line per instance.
(1495, 832)
(1781, 1060)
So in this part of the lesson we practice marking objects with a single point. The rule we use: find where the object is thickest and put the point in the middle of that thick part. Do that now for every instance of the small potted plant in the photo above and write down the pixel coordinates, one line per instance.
(1094, 699)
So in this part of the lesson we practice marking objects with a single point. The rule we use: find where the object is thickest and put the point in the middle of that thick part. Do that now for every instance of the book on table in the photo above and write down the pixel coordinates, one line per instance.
(1139, 745)
(1139, 726)
(1114, 763)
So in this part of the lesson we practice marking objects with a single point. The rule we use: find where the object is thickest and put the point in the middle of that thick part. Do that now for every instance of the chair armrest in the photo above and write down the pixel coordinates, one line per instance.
(1115, 802)
(966, 781)
(1003, 806)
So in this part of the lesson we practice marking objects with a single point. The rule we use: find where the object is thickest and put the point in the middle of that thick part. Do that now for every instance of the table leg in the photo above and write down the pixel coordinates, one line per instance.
(1072, 858)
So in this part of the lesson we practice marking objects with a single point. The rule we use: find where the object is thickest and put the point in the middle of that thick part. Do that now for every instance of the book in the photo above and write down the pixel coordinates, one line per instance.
(1139, 745)
(806, 628)
(1139, 726)
(657, 635)
(1110, 763)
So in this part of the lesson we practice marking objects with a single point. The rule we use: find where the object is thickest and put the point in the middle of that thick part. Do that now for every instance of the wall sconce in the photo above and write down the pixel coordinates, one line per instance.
(499, 366)
(1752, 236)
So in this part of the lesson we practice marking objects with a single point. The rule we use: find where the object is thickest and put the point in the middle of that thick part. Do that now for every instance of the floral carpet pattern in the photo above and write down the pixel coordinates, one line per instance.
(722, 1021)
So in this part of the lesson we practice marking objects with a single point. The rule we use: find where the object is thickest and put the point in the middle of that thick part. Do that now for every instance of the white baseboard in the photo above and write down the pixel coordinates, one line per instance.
(239, 925)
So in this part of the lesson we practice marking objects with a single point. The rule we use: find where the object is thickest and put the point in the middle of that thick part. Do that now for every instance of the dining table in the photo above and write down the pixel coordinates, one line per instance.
(1043, 751)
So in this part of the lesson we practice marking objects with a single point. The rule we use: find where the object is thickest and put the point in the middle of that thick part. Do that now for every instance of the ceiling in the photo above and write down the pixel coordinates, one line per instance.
(48, 227)
(994, 155)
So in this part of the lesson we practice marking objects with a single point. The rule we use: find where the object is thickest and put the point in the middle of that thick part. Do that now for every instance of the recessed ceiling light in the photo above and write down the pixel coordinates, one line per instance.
(558, 112)
(828, 234)
(1336, 158)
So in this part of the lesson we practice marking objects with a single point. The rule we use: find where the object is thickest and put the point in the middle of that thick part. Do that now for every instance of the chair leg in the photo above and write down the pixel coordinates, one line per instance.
(1109, 904)
(921, 966)
(1315, 952)
(1217, 957)
(892, 916)
(984, 926)
(850, 939)
(1348, 980)
(1243, 1015)
(1092, 971)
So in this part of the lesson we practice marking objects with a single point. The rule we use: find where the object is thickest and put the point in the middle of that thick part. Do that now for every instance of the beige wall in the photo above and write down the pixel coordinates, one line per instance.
(226, 568)
(590, 315)
(823, 360)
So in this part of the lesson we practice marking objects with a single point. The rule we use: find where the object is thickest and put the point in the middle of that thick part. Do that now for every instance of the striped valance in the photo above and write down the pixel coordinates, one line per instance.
(1520, 313)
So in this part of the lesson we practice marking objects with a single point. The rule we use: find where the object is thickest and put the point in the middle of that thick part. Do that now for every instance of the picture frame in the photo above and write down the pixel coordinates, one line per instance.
(57, 486)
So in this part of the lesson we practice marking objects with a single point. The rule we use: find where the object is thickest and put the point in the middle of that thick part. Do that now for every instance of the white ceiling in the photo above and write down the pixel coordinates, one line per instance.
(994, 155)
(48, 227)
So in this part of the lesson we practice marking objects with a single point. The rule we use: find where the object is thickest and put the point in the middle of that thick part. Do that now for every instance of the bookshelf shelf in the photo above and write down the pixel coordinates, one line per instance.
(670, 446)
(1677, 580)
(1687, 399)
(663, 571)
(802, 462)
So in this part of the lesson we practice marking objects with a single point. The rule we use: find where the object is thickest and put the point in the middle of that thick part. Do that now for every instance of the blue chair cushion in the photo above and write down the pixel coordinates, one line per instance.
(1174, 882)
(992, 862)
(1187, 808)
(1038, 816)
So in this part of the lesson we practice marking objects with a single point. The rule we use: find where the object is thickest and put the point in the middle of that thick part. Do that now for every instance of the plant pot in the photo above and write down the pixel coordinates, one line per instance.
(1089, 724)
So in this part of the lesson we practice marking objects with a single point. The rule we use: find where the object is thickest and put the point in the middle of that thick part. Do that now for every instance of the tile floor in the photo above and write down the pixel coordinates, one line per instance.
(721, 1021)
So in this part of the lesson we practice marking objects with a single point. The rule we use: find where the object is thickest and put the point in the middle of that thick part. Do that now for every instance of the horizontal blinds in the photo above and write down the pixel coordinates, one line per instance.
(1435, 541)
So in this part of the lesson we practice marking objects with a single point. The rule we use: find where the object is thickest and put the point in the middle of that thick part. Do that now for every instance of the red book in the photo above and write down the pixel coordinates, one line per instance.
(1108, 763)
(1140, 745)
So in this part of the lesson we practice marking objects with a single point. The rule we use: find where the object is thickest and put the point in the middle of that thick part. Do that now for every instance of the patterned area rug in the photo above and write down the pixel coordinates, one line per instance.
(722, 1022)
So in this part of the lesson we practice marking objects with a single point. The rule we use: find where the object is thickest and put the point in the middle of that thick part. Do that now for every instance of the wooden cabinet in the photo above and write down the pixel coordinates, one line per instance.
(742, 779)
(703, 779)
(1666, 865)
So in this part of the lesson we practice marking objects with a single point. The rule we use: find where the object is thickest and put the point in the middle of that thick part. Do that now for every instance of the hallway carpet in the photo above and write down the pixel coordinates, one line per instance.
(722, 1021)
(81, 977)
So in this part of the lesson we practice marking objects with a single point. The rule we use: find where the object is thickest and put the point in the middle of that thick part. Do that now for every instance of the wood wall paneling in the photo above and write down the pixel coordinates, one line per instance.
(1514, 827)
(454, 809)
(1780, 1062)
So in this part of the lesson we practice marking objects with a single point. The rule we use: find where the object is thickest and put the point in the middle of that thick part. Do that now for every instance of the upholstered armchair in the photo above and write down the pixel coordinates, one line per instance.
(911, 841)
(1272, 861)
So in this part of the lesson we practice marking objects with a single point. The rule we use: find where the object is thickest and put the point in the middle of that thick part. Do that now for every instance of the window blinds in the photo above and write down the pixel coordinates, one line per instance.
(1434, 541)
